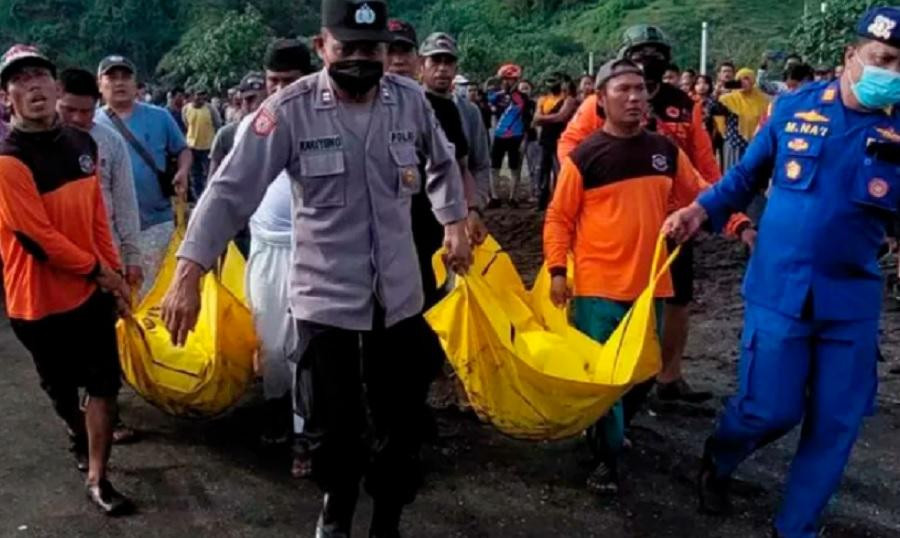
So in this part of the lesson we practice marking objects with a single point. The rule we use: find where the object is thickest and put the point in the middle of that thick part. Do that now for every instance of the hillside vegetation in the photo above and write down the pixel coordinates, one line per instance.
(214, 41)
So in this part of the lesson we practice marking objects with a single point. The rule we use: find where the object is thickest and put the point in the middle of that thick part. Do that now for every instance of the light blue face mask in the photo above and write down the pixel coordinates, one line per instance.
(877, 87)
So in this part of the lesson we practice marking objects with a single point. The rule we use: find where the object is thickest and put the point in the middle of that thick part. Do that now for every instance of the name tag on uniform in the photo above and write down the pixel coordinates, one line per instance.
(793, 127)
(402, 137)
(327, 143)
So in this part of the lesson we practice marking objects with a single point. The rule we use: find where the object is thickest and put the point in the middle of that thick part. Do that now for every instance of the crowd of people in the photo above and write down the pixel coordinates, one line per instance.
(339, 184)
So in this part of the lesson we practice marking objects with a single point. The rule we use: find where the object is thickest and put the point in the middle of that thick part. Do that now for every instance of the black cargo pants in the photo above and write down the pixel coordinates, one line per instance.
(363, 397)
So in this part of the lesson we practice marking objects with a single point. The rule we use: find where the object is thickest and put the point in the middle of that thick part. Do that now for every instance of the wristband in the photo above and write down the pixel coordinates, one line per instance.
(558, 271)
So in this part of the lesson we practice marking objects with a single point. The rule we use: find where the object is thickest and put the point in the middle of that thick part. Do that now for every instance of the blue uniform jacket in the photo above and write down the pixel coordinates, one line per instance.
(835, 187)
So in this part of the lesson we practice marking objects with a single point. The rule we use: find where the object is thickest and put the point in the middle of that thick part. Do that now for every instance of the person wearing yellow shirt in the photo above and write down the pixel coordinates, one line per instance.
(202, 122)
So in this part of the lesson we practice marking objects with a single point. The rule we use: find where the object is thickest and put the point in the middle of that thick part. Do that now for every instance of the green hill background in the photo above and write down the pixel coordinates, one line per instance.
(214, 41)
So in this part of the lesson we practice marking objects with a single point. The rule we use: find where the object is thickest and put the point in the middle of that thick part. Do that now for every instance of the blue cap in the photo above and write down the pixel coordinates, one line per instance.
(881, 24)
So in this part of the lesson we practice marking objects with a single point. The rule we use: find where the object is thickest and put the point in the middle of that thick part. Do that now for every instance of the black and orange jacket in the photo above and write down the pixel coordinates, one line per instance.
(611, 199)
(673, 114)
(54, 233)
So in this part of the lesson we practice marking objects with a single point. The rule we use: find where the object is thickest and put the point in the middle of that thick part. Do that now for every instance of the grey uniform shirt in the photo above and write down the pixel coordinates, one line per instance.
(117, 184)
(479, 147)
(353, 242)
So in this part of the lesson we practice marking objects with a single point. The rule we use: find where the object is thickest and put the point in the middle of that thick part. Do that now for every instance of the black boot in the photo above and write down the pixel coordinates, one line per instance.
(386, 520)
(336, 518)
(713, 491)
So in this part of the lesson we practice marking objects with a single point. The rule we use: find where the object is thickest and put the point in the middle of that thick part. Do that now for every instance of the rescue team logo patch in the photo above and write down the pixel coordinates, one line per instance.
(86, 162)
(879, 188)
(798, 144)
(812, 116)
(792, 170)
(408, 175)
(660, 163)
(265, 122)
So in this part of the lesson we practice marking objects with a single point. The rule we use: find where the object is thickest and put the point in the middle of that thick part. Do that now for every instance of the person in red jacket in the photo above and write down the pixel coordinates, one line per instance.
(674, 114)
(61, 271)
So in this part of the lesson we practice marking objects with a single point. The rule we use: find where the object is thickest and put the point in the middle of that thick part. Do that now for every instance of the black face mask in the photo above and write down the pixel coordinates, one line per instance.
(356, 77)
(654, 68)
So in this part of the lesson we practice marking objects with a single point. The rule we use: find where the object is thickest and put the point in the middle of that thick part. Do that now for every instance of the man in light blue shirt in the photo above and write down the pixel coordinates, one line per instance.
(154, 128)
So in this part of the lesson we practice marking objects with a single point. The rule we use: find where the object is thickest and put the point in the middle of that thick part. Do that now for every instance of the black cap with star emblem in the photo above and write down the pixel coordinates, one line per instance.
(356, 20)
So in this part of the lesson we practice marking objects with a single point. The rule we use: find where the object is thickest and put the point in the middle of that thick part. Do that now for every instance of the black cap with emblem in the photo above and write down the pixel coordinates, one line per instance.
(356, 20)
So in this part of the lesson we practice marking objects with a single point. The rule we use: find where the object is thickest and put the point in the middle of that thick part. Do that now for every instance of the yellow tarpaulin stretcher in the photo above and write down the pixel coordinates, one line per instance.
(524, 368)
(215, 368)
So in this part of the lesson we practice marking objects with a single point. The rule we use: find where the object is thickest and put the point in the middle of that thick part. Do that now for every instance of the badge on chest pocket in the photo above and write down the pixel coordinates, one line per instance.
(797, 162)
(407, 165)
(877, 183)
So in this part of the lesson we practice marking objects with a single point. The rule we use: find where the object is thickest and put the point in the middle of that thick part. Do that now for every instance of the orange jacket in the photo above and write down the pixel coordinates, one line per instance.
(678, 117)
(54, 232)
(611, 199)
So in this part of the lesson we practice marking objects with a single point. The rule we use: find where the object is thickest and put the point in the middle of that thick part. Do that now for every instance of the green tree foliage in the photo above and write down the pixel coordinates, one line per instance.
(81, 32)
(218, 51)
(821, 37)
(214, 41)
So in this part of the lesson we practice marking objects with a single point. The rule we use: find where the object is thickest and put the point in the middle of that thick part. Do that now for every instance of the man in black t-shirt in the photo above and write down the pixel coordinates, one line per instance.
(438, 67)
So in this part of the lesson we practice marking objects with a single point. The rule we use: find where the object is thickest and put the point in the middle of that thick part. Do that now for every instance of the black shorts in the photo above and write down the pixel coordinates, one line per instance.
(76, 349)
(683, 276)
(507, 146)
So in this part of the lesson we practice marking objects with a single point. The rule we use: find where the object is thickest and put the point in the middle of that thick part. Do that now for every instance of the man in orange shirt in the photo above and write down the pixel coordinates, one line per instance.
(672, 113)
(613, 195)
(61, 271)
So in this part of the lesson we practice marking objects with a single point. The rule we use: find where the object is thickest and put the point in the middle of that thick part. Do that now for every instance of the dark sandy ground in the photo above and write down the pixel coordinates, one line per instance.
(197, 479)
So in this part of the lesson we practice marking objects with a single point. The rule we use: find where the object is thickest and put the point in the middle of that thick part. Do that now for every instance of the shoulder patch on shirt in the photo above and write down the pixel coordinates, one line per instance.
(265, 122)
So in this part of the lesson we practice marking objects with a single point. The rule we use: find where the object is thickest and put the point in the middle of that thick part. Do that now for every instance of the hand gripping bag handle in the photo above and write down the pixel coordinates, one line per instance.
(658, 271)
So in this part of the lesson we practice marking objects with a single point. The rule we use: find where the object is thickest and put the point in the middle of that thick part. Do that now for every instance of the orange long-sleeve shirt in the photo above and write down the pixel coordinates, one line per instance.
(53, 225)
(611, 199)
(676, 116)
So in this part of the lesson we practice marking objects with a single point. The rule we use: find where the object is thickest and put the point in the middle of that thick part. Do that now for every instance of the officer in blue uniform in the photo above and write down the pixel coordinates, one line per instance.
(813, 287)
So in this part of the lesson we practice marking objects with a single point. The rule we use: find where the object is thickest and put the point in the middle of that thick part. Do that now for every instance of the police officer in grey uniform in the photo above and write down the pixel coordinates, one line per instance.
(348, 137)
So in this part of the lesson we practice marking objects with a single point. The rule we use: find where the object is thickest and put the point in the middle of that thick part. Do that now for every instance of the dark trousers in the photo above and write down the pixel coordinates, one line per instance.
(199, 172)
(549, 169)
(362, 395)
